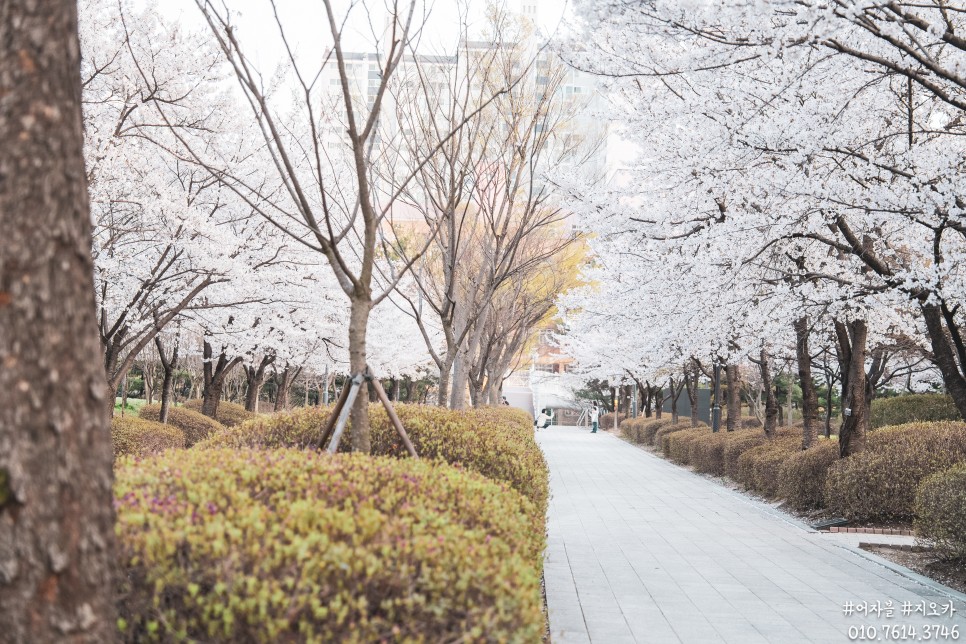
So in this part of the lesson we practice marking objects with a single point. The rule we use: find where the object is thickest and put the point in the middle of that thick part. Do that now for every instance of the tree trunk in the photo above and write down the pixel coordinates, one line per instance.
(944, 356)
(733, 378)
(284, 385)
(168, 366)
(255, 377)
(809, 395)
(855, 420)
(214, 379)
(674, 402)
(828, 411)
(781, 412)
(147, 374)
(123, 395)
(358, 324)
(658, 402)
(789, 392)
(691, 382)
(771, 402)
(445, 373)
(56, 506)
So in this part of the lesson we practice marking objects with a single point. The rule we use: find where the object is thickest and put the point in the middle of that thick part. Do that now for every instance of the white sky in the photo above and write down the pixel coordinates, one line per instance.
(307, 29)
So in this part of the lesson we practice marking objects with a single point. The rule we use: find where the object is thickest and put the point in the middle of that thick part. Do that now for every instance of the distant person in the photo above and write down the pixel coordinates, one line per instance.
(594, 417)
(506, 402)
(544, 418)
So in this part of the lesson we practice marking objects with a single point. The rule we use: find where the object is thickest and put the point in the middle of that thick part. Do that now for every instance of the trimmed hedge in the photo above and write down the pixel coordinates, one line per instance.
(195, 425)
(881, 482)
(758, 467)
(801, 478)
(229, 414)
(707, 452)
(606, 421)
(941, 511)
(497, 443)
(650, 429)
(140, 437)
(631, 428)
(661, 437)
(678, 444)
(289, 545)
(741, 441)
(911, 408)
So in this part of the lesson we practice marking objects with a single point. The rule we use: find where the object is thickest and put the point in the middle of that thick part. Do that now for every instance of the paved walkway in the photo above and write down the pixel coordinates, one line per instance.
(641, 550)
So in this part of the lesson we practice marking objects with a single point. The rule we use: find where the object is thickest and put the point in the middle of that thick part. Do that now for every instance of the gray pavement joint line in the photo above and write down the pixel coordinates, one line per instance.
(583, 617)
(905, 572)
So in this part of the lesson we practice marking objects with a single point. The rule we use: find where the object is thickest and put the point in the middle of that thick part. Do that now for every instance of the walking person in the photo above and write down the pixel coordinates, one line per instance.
(594, 417)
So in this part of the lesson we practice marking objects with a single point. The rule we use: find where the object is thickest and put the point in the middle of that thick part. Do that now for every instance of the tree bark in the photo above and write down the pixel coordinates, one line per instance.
(855, 419)
(255, 377)
(56, 506)
(691, 383)
(445, 374)
(168, 366)
(284, 387)
(214, 379)
(675, 394)
(147, 374)
(658, 402)
(771, 402)
(358, 324)
(809, 395)
(944, 356)
(733, 378)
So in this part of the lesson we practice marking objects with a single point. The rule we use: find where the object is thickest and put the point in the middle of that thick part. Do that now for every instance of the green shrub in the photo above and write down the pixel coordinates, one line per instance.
(140, 437)
(229, 414)
(289, 545)
(801, 479)
(495, 443)
(940, 511)
(881, 482)
(912, 408)
(195, 425)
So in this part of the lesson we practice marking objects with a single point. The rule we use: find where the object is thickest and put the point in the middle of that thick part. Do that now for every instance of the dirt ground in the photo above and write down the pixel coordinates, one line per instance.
(924, 562)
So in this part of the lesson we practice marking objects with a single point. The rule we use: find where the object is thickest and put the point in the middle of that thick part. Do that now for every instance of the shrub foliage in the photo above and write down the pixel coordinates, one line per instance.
(881, 482)
(195, 425)
(941, 511)
(912, 408)
(801, 478)
(229, 414)
(289, 545)
(496, 442)
(140, 437)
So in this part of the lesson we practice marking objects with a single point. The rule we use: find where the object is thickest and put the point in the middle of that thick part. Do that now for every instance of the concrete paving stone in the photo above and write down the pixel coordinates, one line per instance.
(640, 550)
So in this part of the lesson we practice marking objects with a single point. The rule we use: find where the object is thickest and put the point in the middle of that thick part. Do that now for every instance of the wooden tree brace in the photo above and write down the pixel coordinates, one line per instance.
(339, 417)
